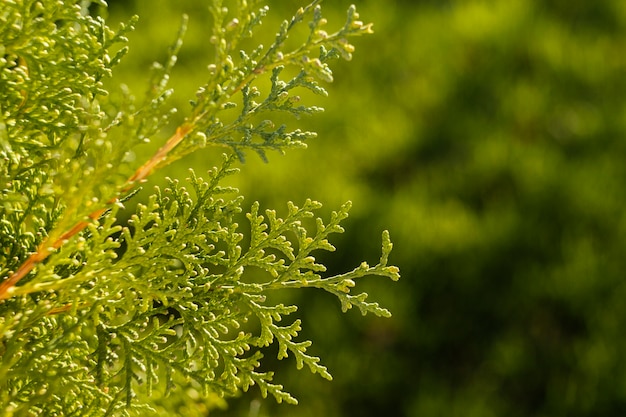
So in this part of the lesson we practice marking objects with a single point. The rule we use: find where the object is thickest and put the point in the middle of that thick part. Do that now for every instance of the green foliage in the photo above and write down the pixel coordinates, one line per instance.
(495, 155)
(490, 142)
(170, 311)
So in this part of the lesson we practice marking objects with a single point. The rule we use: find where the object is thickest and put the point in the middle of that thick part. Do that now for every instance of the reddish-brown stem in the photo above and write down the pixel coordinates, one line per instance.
(147, 168)
(46, 247)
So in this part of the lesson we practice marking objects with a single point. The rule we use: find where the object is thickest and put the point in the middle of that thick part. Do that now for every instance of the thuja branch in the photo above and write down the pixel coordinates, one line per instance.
(95, 315)
(203, 120)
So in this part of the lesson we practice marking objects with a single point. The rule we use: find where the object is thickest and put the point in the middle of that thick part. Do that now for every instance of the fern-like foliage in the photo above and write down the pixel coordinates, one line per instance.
(99, 317)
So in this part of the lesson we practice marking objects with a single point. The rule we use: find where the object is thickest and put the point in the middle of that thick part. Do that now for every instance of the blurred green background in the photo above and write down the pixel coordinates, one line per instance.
(489, 137)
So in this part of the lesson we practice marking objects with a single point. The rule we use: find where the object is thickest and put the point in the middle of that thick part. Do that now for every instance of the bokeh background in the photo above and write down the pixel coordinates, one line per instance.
(489, 137)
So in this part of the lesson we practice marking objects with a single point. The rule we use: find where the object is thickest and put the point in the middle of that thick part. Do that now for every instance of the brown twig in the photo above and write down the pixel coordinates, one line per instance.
(46, 247)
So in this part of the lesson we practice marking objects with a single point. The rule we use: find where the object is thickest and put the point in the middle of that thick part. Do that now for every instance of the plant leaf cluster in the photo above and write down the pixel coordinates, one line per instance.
(104, 317)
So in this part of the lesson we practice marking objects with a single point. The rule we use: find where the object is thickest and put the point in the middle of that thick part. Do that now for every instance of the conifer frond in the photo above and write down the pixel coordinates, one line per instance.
(105, 317)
